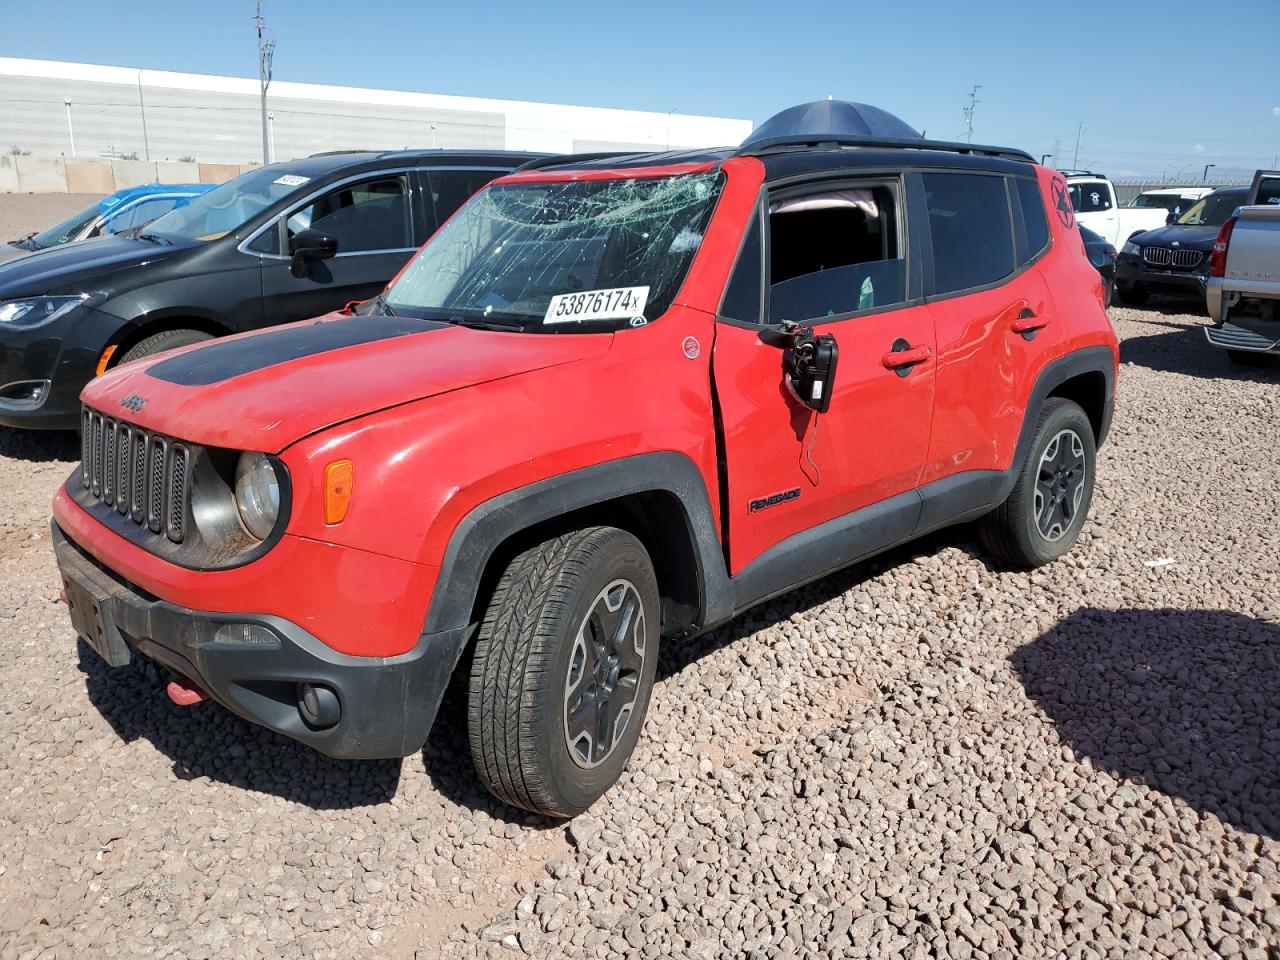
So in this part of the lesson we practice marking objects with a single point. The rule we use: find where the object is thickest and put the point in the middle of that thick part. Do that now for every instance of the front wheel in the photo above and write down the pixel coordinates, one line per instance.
(164, 340)
(563, 669)
(1043, 515)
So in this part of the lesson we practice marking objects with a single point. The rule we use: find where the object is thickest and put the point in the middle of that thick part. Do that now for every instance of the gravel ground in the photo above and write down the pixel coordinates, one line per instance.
(921, 757)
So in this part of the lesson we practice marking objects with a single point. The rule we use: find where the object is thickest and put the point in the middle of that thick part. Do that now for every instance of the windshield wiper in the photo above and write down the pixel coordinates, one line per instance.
(154, 238)
(380, 301)
(474, 323)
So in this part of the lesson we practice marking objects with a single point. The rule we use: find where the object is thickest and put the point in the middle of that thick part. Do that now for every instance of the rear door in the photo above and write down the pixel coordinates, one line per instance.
(371, 217)
(444, 190)
(835, 257)
(993, 314)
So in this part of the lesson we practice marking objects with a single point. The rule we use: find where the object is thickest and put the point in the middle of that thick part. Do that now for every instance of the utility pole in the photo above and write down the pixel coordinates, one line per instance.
(266, 50)
(142, 109)
(969, 111)
(1075, 161)
(71, 130)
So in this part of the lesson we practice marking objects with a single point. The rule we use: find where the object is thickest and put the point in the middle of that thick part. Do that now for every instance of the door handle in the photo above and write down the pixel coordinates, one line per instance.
(903, 357)
(1028, 323)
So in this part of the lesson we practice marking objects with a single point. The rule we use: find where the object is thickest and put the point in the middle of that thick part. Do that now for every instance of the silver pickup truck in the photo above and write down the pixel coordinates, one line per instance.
(1244, 276)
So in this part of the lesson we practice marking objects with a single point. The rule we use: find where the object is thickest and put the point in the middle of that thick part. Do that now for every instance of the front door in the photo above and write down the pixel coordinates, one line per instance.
(834, 258)
(372, 221)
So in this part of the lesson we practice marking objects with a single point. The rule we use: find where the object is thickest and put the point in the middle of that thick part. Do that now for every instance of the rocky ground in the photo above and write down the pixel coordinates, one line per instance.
(920, 757)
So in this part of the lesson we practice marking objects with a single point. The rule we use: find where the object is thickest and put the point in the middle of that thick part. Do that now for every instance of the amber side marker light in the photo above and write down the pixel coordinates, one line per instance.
(339, 478)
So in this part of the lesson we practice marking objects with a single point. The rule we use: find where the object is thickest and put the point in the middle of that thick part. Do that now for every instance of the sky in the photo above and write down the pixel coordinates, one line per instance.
(1155, 90)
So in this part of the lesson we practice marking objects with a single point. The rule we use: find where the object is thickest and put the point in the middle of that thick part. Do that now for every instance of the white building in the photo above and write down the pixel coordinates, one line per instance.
(47, 105)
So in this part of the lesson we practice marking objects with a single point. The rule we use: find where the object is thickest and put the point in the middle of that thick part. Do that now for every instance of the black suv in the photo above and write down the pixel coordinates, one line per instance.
(285, 242)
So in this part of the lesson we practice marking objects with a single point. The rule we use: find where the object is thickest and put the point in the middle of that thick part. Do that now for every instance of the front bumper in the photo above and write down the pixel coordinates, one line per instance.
(255, 664)
(62, 356)
(1132, 271)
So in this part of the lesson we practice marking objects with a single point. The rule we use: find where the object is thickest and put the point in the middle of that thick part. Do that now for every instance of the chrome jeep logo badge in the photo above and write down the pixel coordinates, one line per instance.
(134, 402)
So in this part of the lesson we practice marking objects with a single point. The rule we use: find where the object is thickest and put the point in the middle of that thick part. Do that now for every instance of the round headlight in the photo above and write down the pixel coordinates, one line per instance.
(257, 494)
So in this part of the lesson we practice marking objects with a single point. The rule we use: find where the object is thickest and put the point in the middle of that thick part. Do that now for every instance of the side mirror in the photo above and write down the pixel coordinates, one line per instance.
(1171, 219)
(810, 366)
(308, 245)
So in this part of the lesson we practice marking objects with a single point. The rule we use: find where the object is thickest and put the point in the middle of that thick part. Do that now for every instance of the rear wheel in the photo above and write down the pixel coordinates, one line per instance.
(1043, 515)
(563, 669)
(164, 340)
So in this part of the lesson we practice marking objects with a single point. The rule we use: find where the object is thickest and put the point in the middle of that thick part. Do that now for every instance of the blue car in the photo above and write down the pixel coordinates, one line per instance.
(121, 211)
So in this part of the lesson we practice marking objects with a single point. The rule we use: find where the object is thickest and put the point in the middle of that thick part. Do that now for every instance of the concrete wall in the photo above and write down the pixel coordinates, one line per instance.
(19, 174)
(77, 110)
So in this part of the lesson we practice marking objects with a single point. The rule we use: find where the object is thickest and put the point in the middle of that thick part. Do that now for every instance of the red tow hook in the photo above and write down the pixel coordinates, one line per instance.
(185, 693)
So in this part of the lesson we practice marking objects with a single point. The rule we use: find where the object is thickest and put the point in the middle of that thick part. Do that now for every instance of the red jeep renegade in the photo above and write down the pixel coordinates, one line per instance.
(612, 403)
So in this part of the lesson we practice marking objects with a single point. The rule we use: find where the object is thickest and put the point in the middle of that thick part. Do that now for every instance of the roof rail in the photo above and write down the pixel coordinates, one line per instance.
(1079, 173)
(556, 160)
(338, 153)
(782, 144)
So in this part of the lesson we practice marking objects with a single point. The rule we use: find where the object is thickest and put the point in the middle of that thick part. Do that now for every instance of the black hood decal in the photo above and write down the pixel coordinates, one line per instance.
(225, 359)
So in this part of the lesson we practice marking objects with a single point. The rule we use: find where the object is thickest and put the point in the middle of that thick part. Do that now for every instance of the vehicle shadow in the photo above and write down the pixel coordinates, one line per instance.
(39, 446)
(1183, 349)
(207, 740)
(1186, 701)
(676, 656)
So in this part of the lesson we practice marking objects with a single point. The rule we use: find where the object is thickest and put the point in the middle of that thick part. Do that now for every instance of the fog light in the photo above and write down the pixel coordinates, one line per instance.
(318, 705)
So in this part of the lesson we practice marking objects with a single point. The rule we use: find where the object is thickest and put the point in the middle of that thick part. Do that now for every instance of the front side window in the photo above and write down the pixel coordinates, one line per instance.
(1089, 196)
(970, 230)
(362, 217)
(834, 252)
(561, 257)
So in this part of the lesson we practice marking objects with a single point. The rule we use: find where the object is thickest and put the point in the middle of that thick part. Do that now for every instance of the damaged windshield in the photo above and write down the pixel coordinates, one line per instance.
(561, 257)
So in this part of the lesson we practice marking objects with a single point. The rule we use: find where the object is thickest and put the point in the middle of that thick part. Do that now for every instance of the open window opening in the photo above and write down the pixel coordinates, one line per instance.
(834, 252)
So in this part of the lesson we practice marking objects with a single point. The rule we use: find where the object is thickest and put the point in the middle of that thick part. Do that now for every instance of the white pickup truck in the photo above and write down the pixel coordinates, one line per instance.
(1094, 200)
(1243, 290)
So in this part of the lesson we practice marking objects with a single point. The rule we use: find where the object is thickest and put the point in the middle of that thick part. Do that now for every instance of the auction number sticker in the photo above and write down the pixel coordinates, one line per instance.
(291, 180)
(618, 303)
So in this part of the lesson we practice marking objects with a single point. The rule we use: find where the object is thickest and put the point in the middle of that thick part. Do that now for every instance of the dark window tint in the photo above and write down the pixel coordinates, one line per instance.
(742, 298)
(268, 241)
(362, 217)
(1035, 224)
(1269, 190)
(1090, 196)
(447, 190)
(834, 252)
(969, 224)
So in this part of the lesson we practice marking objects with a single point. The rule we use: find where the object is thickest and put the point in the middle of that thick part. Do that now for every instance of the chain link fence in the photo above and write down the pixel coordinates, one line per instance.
(1129, 187)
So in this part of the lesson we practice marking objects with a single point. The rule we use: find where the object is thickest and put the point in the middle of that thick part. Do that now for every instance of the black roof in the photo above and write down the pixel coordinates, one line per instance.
(322, 164)
(813, 137)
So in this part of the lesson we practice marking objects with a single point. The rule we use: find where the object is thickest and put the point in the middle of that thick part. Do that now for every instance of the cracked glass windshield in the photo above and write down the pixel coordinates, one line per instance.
(560, 257)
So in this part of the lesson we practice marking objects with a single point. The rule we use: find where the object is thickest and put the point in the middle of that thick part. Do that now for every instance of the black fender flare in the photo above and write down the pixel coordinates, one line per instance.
(489, 524)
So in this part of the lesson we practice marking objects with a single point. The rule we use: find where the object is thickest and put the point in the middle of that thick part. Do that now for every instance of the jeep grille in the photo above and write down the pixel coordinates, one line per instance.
(143, 476)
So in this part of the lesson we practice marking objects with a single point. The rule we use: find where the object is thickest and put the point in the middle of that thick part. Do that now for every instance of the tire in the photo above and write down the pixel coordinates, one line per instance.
(531, 672)
(1015, 532)
(1132, 296)
(164, 340)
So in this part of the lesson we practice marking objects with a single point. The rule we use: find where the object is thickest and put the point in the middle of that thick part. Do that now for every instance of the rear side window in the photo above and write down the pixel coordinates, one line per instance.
(1090, 196)
(1269, 190)
(1035, 224)
(447, 190)
(970, 228)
